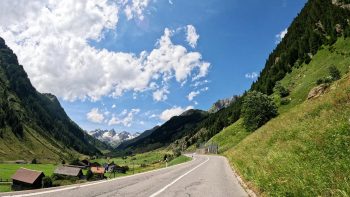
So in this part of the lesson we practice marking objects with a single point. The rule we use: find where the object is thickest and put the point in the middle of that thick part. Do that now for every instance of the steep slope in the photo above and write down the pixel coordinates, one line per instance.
(169, 132)
(34, 125)
(304, 151)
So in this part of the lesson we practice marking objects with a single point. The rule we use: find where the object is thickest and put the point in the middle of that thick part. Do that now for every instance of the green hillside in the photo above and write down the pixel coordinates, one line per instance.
(34, 125)
(304, 151)
(169, 132)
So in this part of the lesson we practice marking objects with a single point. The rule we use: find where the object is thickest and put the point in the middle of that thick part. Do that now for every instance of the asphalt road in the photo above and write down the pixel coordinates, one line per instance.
(203, 176)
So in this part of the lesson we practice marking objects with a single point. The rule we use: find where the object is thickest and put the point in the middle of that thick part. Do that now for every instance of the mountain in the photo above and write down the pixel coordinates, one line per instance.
(162, 136)
(111, 137)
(32, 124)
(222, 103)
(304, 150)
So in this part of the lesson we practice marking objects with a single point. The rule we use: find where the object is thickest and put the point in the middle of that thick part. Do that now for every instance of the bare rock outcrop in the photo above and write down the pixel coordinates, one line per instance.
(317, 91)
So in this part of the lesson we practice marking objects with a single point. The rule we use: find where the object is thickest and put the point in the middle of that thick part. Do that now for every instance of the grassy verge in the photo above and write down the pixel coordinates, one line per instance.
(178, 160)
(5, 188)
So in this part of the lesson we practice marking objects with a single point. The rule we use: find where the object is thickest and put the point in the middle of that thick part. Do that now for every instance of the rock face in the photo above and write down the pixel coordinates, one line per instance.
(112, 137)
(220, 104)
(317, 91)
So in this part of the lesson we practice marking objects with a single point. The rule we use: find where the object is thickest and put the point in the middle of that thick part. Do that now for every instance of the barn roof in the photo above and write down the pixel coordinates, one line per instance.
(67, 170)
(27, 175)
(98, 170)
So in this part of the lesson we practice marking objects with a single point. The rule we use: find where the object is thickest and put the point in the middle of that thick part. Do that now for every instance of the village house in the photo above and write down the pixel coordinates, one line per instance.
(25, 179)
(99, 171)
(69, 171)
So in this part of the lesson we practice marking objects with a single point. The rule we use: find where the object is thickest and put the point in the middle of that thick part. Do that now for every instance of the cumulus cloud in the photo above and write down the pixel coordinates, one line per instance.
(252, 75)
(114, 106)
(281, 35)
(126, 118)
(193, 94)
(174, 111)
(136, 9)
(53, 46)
(95, 116)
(161, 94)
(192, 36)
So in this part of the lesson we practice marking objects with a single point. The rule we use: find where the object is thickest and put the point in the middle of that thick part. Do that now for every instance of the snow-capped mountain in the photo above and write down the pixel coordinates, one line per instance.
(112, 137)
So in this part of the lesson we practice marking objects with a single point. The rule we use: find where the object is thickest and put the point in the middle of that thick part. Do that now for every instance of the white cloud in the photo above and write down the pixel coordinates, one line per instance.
(192, 36)
(136, 9)
(51, 39)
(114, 106)
(192, 94)
(171, 2)
(281, 35)
(95, 116)
(174, 111)
(252, 75)
(125, 118)
(161, 94)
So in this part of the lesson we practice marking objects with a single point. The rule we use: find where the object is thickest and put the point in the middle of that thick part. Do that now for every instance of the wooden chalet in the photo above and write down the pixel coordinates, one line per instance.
(69, 171)
(25, 179)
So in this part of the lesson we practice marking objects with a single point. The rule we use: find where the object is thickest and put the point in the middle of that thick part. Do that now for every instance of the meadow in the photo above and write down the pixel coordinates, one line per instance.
(305, 150)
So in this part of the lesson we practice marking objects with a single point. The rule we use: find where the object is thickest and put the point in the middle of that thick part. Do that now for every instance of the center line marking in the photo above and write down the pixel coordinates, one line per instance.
(180, 177)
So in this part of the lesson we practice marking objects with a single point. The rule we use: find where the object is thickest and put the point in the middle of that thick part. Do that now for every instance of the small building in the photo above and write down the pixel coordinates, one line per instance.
(99, 171)
(25, 179)
(213, 148)
(69, 171)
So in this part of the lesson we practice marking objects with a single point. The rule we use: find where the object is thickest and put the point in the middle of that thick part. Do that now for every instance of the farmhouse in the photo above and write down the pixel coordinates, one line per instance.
(99, 171)
(25, 179)
(69, 171)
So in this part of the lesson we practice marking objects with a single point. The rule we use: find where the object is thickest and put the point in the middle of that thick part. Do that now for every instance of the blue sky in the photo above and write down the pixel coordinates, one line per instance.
(235, 38)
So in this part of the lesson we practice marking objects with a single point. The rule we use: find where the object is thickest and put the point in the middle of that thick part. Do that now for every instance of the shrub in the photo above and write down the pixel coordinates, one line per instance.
(334, 73)
(281, 90)
(257, 109)
(320, 81)
(47, 182)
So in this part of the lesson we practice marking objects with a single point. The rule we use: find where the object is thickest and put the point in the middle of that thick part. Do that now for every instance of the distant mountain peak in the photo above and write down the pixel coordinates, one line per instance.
(112, 137)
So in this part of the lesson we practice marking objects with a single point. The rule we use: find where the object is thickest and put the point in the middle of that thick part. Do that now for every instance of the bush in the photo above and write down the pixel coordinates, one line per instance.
(47, 182)
(281, 90)
(320, 81)
(257, 109)
(334, 73)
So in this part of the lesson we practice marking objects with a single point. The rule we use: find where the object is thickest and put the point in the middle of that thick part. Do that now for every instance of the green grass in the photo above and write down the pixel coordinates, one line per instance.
(301, 80)
(5, 187)
(230, 136)
(178, 160)
(305, 150)
(7, 170)
(152, 160)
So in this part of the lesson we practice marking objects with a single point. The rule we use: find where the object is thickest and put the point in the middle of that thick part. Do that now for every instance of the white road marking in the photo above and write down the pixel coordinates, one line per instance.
(180, 177)
(89, 184)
